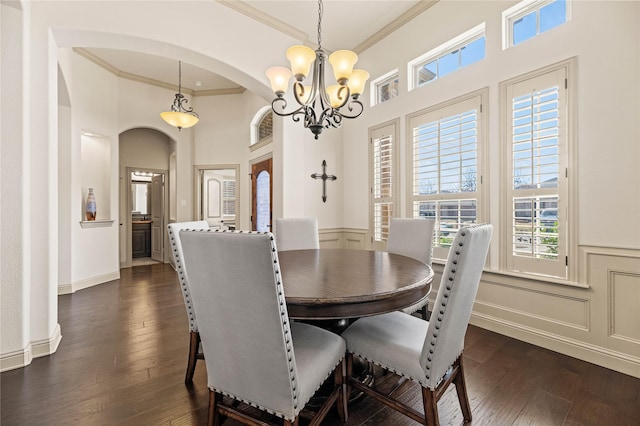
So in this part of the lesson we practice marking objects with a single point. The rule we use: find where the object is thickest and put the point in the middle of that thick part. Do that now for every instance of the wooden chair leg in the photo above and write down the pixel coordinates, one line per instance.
(425, 313)
(349, 373)
(194, 347)
(214, 417)
(461, 389)
(430, 402)
(340, 377)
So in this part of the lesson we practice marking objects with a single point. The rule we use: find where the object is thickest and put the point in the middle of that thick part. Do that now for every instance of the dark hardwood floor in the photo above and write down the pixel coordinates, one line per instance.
(123, 356)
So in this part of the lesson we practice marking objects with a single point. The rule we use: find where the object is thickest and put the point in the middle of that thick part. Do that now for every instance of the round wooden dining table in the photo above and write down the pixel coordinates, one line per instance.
(328, 284)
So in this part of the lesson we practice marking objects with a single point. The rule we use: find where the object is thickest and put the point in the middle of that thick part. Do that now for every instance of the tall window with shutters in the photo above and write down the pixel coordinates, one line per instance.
(446, 168)
(229, 198)
(535, 143)
(384, 181)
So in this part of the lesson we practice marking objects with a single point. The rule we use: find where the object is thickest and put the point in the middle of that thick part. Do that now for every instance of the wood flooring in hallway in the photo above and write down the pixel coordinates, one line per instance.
(123, 356)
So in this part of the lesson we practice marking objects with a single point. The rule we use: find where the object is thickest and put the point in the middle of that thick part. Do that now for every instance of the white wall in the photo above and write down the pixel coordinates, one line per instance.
(607, 103)
(594, 317)
(14, 177)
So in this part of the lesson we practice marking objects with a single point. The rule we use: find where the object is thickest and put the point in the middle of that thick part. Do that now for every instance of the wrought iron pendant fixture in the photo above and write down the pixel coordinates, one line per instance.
(318, 106)
(179, 116)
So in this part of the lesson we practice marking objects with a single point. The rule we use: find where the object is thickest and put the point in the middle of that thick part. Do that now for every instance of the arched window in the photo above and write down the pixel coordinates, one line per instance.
(262, 128)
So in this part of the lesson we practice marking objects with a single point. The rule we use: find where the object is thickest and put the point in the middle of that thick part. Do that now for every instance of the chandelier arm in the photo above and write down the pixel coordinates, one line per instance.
(292, 114)
(356, 105)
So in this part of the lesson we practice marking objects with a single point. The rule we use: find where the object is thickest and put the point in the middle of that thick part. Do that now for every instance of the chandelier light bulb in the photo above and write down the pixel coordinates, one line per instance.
(279, 79)
(342, 62)
(357, 82)
(301, 58)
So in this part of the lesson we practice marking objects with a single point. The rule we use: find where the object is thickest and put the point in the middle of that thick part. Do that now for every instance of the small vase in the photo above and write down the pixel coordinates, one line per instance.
(91, 205)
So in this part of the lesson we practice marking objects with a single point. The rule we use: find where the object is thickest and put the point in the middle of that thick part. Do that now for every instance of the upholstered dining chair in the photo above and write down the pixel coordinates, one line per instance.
(297, 233)
(195, 352)
(254, 353)
(412, 238)
(429, 353)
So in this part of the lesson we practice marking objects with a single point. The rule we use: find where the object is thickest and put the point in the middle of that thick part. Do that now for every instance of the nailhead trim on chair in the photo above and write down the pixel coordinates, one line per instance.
(439, 317)
(193, 325)
(287, 332)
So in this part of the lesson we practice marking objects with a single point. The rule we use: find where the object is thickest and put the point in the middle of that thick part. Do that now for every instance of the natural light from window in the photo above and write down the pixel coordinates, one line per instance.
(527, 19)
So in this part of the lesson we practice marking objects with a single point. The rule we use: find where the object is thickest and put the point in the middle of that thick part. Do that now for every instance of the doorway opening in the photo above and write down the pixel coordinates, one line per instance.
(262, 195)
(146, 218)
(217, 198)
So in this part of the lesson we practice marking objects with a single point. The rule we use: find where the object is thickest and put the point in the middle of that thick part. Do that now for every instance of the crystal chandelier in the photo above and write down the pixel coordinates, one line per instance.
(179, 116)
(318, 106)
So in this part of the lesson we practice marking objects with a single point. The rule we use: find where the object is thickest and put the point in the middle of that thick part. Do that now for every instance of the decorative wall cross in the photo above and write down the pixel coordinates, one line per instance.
(324, 176)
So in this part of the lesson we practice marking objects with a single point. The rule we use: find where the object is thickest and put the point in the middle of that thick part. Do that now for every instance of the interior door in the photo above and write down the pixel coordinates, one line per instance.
(157, 216)
(261, 195)
(211, 196)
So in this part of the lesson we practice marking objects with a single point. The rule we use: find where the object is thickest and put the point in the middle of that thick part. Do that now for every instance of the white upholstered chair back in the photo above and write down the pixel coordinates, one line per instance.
(412, 238)
(452, 309)
(238, 293)
(297, 233)
(176, 247)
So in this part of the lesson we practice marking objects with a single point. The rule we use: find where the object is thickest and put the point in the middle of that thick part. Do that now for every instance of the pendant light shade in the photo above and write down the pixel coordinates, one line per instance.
(179, 116)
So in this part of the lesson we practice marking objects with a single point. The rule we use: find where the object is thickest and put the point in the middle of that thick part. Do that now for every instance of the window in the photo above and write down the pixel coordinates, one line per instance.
(262, 128)
(446, 167)
(384, 180)
(530, 18)
(265, 127)
(536, 146)
(384, 88)
(457, 53)
(229, 197)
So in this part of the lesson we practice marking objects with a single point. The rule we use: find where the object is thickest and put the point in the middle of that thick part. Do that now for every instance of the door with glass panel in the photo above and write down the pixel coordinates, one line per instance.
(261, 195)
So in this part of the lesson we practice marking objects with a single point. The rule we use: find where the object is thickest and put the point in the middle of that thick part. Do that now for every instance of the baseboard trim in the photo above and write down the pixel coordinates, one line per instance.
(88, 282)
(594, 354)
(22, 358)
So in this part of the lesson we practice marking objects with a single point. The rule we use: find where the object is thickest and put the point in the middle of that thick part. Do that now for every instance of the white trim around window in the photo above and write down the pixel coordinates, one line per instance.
(538, 191)
(447, 167)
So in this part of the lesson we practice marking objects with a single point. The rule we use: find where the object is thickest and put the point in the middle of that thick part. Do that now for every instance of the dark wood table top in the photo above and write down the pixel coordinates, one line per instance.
(343, 283)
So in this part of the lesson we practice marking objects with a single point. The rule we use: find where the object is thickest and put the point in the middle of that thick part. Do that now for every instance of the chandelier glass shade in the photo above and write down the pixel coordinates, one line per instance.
(319, 106)
(179, 116)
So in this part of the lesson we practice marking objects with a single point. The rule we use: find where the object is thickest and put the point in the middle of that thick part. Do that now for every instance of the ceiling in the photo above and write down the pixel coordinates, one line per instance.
(375, 19)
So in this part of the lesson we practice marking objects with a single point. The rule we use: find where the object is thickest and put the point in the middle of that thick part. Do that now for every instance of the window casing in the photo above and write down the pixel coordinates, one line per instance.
(385, 87)
(384, 180)
(530, 18)
(536, 145)
(445, 167)
(451, 56)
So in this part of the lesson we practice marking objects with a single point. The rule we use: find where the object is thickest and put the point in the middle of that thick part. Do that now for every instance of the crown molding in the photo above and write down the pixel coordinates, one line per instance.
(152, 82)
(252, 12)
(258, 15)
(392, 26)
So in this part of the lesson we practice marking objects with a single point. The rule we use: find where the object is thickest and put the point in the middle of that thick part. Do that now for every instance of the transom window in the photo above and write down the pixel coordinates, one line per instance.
(457, 53)
(385, 87)
(529, 18)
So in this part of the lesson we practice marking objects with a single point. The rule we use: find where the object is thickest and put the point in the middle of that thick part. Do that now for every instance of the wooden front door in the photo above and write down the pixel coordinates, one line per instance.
(261, 195)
